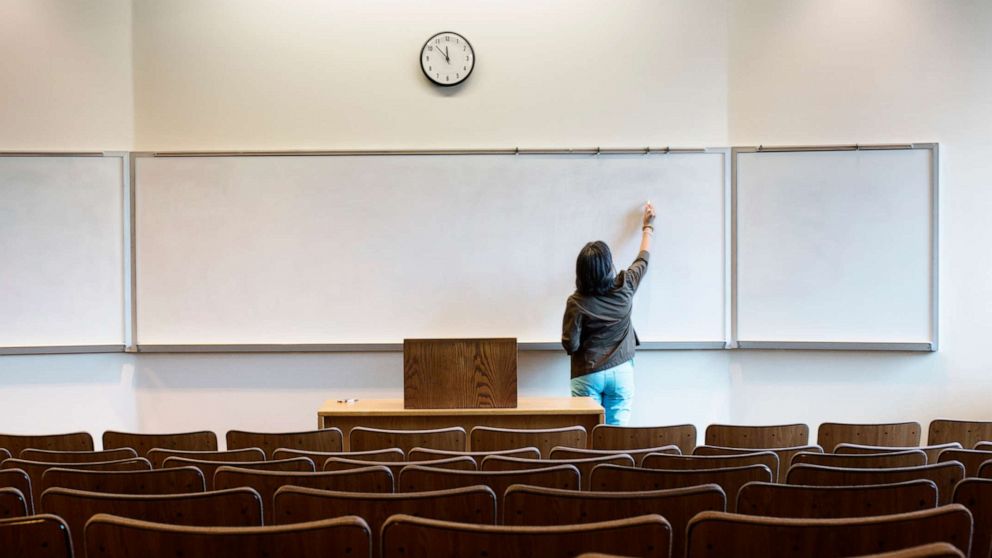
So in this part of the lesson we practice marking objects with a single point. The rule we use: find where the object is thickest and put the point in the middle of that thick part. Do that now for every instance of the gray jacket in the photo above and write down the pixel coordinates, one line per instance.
(597, 332)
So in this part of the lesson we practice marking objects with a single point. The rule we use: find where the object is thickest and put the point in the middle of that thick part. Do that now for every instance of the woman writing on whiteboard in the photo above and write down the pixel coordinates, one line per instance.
(597, 332)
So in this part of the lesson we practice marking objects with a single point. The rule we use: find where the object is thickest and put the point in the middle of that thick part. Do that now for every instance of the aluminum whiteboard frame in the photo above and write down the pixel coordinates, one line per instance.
(398, 346)
(933, 344)
(126, 262)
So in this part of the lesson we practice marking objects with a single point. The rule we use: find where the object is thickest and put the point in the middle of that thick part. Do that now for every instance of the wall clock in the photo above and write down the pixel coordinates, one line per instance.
(447, 59)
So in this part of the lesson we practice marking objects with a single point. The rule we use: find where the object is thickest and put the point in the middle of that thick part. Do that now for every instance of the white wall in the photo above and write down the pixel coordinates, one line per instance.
(884, 71)
(65, 75)
(268, 75)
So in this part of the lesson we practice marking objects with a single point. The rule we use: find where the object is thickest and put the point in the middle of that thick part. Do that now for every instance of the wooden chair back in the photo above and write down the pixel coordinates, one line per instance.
(757, 437)
(158, 481)
(19, 479)
(366, 439)
(984, 446)
(638, 455)
(73, 441)
(686, 462)
(532, 505)
(968, 433)
(323, 440)
(887, 460)
(585, 466)
(463, 463)
(971, 459)
(932, 550)
(158, 456)
(471, 504)
(976, 495)
(608, 437)
(266, 483)
(209, 468)
(425, 479)
(35, 536)
(784, 454)
(13, 503)
(487, 438)
(427, 454)
(387, 455)
(237, 507)
(143, 443)
(36, 470)
(895, 434)
(4, 454)
(108, 536)
(413, 537)
(715, 534)
(933, 452)
(944, 475)
(55, 456)
(613, 478)
(822, 502)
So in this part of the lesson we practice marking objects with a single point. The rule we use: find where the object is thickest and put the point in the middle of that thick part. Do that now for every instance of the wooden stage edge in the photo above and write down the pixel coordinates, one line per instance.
(530, 412)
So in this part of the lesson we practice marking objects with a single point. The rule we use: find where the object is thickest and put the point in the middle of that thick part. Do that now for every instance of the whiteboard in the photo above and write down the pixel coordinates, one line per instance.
(836, 247)
(366, 249)
(61, 244)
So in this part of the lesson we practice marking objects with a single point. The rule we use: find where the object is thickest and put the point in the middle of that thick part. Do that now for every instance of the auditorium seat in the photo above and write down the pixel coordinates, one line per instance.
(614, 478)
(886, 460)
(685, 462)
(971, 459)
(108, 536)
(968, 433)
(723, 535)
(532, 505)
(585, 466)
(486, 438)
(471, 504)
(20, 480)
(36, 469)
(757, 437)
(142, 443)
(463, 463)
(13, 503)
(366, 439)
(405, 536)
(73, 441)
(609, 437)
(932, 451)
(899, 434)
(56, 456)
(822, 502)
(932, 550)
(209, 468)
(784, 454)
(976, 495)
(425, 454)
(266, 483)
(35, 536)
(236, 507)
(158, 456)
(319, 457)
(944, 475)
(157, 481)
(638, 455)
(325, 439)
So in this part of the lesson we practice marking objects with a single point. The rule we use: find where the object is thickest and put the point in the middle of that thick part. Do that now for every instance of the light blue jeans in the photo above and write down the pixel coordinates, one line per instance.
(612, 388)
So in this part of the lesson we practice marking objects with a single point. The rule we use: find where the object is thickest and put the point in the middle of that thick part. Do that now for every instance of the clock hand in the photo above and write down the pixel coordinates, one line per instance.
(446, 58)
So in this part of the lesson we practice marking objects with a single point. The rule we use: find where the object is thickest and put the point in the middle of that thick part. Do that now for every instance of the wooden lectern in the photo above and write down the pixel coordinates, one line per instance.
(459, 373)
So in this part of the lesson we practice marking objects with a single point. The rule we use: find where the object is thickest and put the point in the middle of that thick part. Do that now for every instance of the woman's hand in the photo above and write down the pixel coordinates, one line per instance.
(648, 220)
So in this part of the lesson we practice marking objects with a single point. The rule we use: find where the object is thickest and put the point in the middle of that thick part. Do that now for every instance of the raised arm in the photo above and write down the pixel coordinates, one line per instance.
(647, 227)
(637, 269)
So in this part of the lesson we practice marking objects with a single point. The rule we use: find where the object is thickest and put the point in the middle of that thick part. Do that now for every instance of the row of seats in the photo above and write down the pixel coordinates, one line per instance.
(569, 468)
(942, 432)
(326, 523)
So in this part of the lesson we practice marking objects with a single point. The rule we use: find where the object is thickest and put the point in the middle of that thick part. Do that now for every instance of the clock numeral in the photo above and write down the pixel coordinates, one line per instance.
(465, 68)
(456, 76)
(447, 78)
(430, 48)
(447, 39)
(466, 58)
(437, 41)
(430, 68)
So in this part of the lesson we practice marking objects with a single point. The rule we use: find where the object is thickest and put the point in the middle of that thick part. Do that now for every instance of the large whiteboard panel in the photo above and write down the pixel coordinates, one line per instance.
(61, 248)
(373, 249)
(836, 246)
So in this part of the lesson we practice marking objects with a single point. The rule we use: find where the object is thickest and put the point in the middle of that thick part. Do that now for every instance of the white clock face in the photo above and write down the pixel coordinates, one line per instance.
(447, 58)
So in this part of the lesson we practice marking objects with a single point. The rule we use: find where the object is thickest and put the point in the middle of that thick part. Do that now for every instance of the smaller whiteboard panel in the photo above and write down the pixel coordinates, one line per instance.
(836, 247)
(61, 244)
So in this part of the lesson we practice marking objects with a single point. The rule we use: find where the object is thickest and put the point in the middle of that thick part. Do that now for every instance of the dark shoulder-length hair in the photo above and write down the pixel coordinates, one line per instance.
(594, 269)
